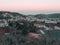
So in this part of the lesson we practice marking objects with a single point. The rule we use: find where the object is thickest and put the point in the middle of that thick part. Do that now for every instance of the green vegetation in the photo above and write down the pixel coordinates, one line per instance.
(54, 15)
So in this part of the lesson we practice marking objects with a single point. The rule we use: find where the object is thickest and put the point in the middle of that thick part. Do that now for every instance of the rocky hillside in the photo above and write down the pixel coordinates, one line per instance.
(7, 14)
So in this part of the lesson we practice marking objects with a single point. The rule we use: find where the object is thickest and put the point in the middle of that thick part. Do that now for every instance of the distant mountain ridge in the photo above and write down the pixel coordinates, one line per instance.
(53, 15)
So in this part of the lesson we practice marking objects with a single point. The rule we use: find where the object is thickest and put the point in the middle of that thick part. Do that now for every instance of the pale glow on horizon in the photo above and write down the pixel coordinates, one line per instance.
(30, 5)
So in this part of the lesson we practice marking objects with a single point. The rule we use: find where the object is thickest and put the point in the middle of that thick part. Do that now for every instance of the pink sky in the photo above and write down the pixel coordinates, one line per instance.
(30, 5)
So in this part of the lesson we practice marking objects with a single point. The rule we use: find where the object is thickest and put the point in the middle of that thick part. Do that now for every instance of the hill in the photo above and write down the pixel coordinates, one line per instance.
(5, 14)
(54, 15)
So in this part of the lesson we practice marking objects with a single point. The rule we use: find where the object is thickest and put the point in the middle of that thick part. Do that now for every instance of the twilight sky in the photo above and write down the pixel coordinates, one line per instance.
(30, 6)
